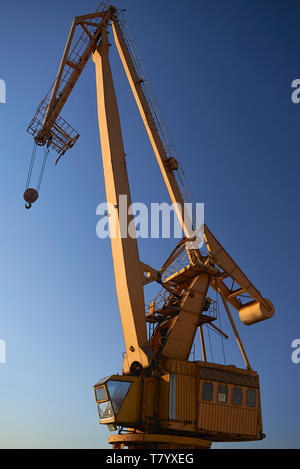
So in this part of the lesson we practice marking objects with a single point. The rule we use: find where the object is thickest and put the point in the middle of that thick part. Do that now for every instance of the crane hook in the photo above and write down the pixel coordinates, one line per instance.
(30, 196)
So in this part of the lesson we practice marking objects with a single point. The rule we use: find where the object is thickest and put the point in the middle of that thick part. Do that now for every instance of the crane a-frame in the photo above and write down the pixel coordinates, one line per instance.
(161, 400)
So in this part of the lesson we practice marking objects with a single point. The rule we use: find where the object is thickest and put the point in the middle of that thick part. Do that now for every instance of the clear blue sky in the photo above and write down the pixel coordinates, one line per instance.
(222, 72)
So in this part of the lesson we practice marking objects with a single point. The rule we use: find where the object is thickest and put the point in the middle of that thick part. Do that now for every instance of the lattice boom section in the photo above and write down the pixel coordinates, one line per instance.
(62, 136)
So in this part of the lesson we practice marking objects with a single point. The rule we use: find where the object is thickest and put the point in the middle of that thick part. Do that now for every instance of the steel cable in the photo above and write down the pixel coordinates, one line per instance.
(47, 150)
(31, 166)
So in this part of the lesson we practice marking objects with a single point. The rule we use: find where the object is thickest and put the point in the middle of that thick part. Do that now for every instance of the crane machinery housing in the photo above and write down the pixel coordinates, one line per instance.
(162, 399)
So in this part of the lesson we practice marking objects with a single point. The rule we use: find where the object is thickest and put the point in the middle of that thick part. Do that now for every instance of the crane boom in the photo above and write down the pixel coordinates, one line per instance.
(47, 124)
(166, 165)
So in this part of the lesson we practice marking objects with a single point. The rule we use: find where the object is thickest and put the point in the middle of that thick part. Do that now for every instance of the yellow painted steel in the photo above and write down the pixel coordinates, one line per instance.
(157, 441)
(174, 402)
(128, 276)
(225, 420)
(183, 328)
(231, 270)
(145, 112)
(256, 312)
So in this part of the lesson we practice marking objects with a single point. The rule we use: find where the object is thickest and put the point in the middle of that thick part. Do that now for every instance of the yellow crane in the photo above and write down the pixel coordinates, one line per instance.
(161, 400)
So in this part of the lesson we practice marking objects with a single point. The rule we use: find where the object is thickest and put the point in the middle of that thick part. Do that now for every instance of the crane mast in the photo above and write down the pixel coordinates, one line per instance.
(161, 400)
(128, 273)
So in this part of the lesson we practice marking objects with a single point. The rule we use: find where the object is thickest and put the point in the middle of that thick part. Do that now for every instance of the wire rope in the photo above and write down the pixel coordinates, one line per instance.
(31, 166)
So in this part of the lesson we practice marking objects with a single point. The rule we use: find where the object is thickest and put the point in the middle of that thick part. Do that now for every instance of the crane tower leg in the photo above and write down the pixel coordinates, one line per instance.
(128, 274)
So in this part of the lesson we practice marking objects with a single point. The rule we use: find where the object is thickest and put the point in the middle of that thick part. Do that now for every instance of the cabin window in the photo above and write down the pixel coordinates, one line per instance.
(251, 398)
(237, 396)
(222, 393)
(207, 391)
(101, 394)
(117, 392)
(172, 397)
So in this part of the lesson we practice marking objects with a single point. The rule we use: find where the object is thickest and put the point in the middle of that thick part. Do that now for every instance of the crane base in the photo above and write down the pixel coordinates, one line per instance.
(154, 441)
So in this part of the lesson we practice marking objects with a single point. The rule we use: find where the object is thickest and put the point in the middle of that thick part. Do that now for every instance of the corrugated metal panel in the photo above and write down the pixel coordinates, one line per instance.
(229, 377)
(226, 419)
(186, 398)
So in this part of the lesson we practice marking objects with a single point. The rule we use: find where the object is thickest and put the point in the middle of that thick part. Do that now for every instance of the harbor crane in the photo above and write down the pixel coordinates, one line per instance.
(162, 399)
